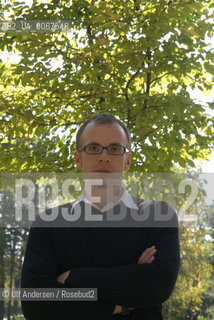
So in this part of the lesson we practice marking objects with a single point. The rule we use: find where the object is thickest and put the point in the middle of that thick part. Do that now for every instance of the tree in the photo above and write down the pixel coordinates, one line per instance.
(134, 59)
(207, 309)
(2, 271)
(194, 280)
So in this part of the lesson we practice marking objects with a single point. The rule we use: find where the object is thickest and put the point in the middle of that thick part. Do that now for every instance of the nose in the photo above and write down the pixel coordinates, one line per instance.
(103, 157)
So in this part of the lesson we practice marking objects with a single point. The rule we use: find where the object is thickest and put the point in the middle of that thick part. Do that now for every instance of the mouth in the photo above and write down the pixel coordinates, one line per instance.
(103, 170)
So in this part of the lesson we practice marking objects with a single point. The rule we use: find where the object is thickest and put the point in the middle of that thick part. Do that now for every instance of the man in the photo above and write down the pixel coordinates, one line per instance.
(133, 268)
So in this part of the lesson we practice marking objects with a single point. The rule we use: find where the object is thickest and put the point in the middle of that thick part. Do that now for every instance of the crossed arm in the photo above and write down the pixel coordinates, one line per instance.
(147, 256)
(147, 282)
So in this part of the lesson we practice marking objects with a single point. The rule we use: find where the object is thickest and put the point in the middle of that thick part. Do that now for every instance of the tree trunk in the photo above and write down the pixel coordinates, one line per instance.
(170, 308)
(15, 302)
(12, 267)
(2, 270)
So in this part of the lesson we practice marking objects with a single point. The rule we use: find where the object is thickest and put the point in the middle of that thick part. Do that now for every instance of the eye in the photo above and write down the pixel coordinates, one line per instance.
(115, 148)
(93, 148)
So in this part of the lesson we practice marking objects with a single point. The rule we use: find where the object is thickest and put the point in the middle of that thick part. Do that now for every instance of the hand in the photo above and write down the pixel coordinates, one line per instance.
(62, 277)
(147, 256)
(117, 309)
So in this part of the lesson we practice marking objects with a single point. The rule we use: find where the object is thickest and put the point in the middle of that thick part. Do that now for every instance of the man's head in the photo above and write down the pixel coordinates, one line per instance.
(104, 130)
(103, 118)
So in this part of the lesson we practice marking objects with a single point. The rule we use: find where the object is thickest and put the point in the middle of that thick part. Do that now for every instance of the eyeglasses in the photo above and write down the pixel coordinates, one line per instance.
(93, 148)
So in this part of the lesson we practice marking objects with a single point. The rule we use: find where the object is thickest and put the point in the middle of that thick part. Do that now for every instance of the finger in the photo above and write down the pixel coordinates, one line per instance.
(151, 259)
(151, 253)
(148, 252)
(144, 256)
(146, 260)
(147, 257)
(145, 252)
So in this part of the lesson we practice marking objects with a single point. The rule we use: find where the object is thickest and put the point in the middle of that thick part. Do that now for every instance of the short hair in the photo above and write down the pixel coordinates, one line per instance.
(102, 118)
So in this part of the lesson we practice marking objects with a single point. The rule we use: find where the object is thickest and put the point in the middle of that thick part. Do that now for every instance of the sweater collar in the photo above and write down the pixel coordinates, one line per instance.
(125, 198)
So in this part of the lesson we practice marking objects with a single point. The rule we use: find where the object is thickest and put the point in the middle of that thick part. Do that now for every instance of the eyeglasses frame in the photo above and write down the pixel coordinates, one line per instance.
(104, 148)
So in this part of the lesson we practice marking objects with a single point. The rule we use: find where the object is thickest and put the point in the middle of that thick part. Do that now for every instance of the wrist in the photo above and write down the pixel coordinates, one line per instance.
(124, 310)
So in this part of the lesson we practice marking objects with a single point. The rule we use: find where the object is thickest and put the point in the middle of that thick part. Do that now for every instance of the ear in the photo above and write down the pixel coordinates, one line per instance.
(78, 160)
(127, 161)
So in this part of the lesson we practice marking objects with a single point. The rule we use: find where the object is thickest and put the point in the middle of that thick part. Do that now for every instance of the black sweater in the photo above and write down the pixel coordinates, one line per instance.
(106, 259)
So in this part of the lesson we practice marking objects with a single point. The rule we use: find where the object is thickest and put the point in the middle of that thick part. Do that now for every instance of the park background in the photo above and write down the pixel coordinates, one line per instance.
(151, 64)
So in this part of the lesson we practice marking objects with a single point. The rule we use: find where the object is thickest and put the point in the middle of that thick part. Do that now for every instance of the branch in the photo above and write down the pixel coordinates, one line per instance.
(137, 7)
(148, 79)
(160, 77)
(128, 117)
(128, 83)
(148, 82)
(90, 36)
(168, 4)
(144, 136)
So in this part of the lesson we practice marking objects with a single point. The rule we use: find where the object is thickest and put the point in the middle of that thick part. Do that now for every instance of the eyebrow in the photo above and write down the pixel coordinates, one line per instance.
(111, 144)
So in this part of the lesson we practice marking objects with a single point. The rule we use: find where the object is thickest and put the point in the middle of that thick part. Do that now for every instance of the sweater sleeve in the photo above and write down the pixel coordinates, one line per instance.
(136, 285)
(40, 271)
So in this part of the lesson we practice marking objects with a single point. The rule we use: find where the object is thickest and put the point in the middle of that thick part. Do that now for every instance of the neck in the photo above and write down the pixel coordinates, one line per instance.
(101, 196)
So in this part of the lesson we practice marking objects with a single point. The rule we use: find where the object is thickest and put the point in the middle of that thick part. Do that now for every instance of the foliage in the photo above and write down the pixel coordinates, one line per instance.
(194, 276)
(195, 281)
(208, 298)
(134, 59)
